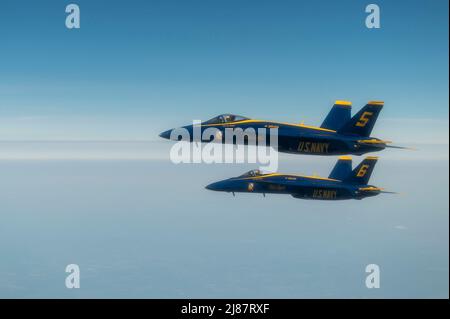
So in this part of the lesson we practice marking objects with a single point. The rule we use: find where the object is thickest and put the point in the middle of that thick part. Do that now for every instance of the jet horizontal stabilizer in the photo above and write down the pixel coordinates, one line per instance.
(402, 147)
(375, 189)
(383, 144)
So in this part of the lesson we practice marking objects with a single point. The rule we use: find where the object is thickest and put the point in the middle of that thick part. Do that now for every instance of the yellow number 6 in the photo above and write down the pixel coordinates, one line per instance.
(362, 171)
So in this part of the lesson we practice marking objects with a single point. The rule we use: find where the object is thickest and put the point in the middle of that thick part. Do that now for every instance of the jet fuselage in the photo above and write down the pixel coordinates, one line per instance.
(291, 138)
(304, 187)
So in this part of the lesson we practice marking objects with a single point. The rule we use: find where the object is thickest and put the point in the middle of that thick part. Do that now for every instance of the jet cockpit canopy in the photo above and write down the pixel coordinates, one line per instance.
(226, 118)
(252, 173)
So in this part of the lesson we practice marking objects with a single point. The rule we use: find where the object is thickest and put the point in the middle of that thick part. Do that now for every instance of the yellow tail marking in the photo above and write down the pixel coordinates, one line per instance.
(364, 119)
(341, 102)
(363, 170)
(376, 103)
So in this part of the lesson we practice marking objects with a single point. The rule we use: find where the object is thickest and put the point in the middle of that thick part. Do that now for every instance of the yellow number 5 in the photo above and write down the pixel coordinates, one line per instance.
(364, 119)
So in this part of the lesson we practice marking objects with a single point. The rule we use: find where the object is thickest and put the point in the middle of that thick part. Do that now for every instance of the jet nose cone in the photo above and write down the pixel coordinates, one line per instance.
(214, 186)
(165, 134)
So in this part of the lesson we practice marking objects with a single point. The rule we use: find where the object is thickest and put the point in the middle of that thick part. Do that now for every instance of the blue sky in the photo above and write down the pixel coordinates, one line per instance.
(134, 69)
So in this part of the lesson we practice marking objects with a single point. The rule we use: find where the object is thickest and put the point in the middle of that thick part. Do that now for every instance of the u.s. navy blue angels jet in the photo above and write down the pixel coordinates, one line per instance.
(339, 134)
(342, 183)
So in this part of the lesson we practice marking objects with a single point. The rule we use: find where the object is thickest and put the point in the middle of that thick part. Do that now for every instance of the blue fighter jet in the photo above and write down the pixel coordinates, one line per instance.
(342, 183)
(339, 134)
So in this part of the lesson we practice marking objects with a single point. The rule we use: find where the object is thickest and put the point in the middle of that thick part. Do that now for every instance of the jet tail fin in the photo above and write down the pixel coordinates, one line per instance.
(342, 168)
(339, 114)
(363, 122)
(361, 174)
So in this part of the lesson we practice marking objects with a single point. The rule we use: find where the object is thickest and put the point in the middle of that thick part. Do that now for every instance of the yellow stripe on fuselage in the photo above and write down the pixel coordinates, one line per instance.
(291, 175)
(279, 123)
